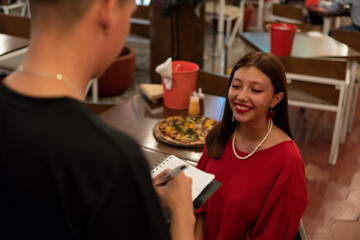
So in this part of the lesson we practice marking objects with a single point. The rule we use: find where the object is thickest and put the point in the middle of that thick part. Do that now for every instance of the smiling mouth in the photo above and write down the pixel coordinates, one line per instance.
(242, 108)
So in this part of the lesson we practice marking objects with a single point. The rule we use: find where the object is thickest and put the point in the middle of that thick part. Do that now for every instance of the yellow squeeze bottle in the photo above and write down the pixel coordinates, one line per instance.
(194, 105)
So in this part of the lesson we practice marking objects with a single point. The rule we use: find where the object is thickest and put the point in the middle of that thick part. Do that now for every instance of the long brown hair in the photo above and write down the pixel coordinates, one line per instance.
(273, 68)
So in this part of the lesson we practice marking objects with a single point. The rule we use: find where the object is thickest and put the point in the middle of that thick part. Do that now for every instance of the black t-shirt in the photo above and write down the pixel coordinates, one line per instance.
(66, 175)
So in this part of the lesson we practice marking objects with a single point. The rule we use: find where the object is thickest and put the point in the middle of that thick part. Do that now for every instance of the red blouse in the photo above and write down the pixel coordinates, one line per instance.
(262, 197)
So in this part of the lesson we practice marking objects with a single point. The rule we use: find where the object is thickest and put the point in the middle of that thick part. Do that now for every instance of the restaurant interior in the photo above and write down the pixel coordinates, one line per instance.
(323, 110)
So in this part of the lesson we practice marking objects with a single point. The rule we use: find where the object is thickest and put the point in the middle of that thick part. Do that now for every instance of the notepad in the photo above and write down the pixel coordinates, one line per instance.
(203, 184)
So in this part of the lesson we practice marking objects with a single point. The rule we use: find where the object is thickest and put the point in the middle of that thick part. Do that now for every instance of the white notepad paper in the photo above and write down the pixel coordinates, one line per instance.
(200, 179)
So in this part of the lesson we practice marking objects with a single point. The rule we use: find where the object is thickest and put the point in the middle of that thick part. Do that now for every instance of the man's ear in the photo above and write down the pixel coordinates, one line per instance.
(276, 99)
(106, 14)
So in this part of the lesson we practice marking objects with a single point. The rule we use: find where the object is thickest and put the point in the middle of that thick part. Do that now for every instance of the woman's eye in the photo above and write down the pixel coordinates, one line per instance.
(256, 91)
(235, 86)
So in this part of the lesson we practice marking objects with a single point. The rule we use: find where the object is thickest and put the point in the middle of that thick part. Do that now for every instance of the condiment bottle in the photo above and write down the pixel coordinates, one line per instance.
(201, 100)
(194, 105)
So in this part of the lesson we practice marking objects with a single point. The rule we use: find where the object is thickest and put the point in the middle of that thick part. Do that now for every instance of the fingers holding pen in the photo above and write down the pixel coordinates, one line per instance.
(175, 192)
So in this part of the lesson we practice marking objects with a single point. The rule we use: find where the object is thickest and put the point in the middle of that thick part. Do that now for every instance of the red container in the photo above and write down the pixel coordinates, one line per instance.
(281, 38)
(120, 74)
(312, 3)
(183, 83)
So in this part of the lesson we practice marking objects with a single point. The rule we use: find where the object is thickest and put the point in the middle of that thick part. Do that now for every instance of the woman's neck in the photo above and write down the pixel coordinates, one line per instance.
(254, 130)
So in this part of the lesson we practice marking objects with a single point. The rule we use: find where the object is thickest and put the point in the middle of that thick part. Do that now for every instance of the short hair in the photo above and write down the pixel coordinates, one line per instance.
(273, 68)
(64, 12)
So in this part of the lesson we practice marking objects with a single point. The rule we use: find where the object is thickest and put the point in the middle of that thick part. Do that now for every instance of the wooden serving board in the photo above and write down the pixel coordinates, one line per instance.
(204, 122)
(164, 139)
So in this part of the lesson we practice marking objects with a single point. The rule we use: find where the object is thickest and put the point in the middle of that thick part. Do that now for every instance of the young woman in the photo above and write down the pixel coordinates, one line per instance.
(251, 152)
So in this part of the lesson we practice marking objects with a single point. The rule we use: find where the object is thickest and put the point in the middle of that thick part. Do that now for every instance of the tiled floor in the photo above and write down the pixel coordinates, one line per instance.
(333, 212)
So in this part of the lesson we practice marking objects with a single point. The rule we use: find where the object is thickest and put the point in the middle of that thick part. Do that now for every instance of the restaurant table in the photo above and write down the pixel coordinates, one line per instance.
(307, 46)
(328, 17)
(10, 44)
(138, 116)
(12, 50)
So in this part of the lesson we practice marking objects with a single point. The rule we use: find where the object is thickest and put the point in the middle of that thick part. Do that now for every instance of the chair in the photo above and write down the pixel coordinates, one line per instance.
(301, 235)
(7, 6)
(230, 13)
(140, 21)
(94, 85)
(320, 84)
(290, 14)
(264, 8)
(212, 83)
(350, 38)
(15, 26)
(287, 13)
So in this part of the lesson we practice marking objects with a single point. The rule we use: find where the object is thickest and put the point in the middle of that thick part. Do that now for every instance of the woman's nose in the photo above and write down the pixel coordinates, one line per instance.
(243, 95)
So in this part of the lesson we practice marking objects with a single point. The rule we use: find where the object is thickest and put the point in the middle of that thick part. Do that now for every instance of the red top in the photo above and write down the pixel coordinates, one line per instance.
(262, 197)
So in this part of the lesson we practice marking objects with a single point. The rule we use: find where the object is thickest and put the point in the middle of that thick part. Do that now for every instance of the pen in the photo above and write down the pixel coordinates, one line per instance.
(171, 174)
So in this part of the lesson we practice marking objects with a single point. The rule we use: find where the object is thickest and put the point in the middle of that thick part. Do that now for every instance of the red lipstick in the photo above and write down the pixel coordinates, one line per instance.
(242, 108)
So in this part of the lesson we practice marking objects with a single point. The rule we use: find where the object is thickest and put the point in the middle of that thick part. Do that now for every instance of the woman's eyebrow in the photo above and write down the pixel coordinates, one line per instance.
(252, 83)
(259, 83)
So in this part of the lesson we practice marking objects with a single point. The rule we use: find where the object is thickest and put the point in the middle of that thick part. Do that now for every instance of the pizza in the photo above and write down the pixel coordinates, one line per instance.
(184, 130)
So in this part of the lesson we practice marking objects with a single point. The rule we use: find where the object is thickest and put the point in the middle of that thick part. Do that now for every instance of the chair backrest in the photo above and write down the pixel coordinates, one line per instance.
(301, 235)
(315, 69)
(350, 38)
(15, 25)
(287, 13)
(212, 83)
(140, 21)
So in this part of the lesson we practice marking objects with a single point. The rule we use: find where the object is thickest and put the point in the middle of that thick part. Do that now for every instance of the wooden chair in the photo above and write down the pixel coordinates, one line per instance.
(140, 21)
(15, 26)
(212, 83)
(352, 39)
(301, 234)
(320, 84)
(289, 14)
(230, 13)
(7, 5)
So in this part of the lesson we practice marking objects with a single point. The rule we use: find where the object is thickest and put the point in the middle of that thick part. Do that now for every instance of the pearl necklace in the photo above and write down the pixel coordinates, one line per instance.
(270, 124)
(57, 76)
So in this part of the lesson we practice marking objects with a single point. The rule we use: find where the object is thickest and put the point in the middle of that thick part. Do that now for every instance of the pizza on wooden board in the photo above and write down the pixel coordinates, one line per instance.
(184, 130)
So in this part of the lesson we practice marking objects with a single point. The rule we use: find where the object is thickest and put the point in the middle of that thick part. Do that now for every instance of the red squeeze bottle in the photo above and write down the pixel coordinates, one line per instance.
(201, 100)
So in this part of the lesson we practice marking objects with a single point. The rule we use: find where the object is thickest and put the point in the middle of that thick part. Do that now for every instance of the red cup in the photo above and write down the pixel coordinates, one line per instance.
(314, 3)
(281, 38)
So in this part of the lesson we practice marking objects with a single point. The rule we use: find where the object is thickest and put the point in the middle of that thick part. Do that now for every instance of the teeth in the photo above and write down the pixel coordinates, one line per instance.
(242, 107)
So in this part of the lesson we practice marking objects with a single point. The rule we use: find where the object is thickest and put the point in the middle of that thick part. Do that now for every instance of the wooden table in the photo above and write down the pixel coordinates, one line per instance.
(9, 43)
(328, 17)
(305, 46)
(12, 50)
(138, 116)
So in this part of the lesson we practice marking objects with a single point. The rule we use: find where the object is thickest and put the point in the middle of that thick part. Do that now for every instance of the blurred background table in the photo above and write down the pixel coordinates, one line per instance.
(328, 17)
(10, 43)
(138, 116)
(305, 45)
